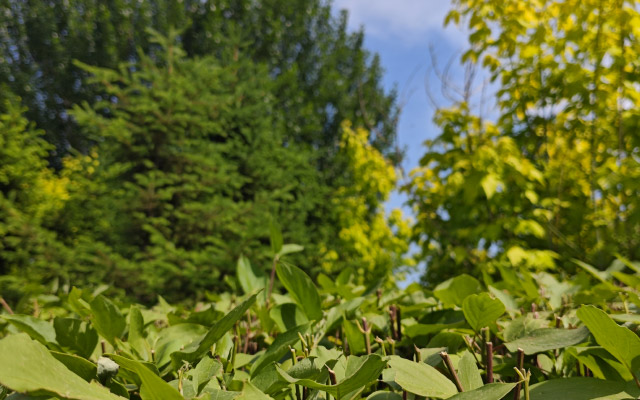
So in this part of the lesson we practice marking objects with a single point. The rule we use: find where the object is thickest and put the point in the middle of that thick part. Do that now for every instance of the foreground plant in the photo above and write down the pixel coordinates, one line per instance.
(465, 340)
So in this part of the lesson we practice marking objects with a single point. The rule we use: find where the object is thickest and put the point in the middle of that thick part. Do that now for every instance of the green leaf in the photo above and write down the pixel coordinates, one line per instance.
(78, 365)
(107, 319)
(481, 310)
(26, 366)
(275, 237)
(289, 249)
(469, 373)
(301, 289)
(77, 303)
(36, 328)
(548, 339)
(136, 334)
(421, 379)
(250, 392)
(455, 290)
(174, 338)
(76, 335)
(491, 391)
(251, 279)
(381, 395)
(583, 389)
(490, 184)
(506, 299)
(216, 332)
(602, 276)
(367, 371)
(623, 344)
(153, 387)
(278, 348)
(287, 316)
(216, 394)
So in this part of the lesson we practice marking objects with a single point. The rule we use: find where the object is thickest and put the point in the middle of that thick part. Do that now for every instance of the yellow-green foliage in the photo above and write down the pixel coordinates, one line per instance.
(371, 242)
(554, 176)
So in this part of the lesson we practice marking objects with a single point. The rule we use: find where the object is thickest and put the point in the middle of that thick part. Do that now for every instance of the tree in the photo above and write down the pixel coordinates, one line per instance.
(192, 165)
(552, 178)
(31, 195)
(323, 75)
(368, 242)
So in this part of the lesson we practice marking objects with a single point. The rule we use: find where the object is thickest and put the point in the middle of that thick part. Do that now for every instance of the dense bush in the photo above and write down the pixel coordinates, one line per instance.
(465, 339)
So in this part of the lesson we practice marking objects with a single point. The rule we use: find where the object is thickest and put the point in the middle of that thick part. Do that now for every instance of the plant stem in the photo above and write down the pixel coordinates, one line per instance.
(418, 355)
(5, 306)
(520, 367)
(526, 386)
(452, 371)
(489, 362)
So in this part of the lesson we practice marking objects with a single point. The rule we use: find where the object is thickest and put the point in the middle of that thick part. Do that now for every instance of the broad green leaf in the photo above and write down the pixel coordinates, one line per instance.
(136, 334)
(506, 299)
(490, 183)
(250, 392)
(77, 303)
(468, 372)
(382, 395)
(617, 340)
(632, 318)
(548, 339)
(287, 316)
(278, 348)
(36, 328)
(217, 394)
(583, 389)
(206, 369)
(174, 338)
(416, 330)
(107, 319)
(78, 365)
(481, 310)
(354, 337)
(421, 379)
(455, 290)
(275, 237)
(301, 289)
(153, 387)
(289, 249)
(431, 355)
(367, 371)
(216, 332)
(600, 362)
(251, 279)
(27, 366)
(268, 380)
(522, 326)
(491, 391)
(76, 335)
(602, 276)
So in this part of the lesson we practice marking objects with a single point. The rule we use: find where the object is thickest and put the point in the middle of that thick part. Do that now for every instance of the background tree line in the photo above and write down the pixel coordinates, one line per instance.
(149, 144)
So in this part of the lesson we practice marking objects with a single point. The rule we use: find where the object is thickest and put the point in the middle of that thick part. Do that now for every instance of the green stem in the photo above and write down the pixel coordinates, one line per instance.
(452, 371)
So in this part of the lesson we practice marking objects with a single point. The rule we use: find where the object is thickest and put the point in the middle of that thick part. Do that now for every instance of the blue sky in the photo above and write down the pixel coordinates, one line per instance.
(402, 32)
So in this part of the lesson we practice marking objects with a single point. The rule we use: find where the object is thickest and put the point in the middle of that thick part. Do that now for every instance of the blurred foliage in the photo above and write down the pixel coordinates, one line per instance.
(554, 176)
(322, 74)
(190, 166)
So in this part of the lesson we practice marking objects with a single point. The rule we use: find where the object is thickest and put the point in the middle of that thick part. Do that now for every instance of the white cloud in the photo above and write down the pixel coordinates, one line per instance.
(409, 21)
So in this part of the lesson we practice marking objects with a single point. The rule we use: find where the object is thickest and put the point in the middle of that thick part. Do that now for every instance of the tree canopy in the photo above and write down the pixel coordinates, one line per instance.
(553, 177)
(178, 132)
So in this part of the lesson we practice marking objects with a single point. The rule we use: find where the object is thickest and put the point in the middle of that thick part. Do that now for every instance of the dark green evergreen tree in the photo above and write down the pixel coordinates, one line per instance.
(323, 73)
(192, 156)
